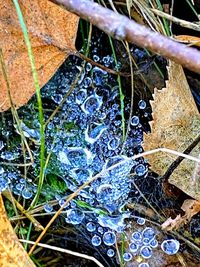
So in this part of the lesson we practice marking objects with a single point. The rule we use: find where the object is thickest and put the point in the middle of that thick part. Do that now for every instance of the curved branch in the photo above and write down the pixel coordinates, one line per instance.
(122, 28)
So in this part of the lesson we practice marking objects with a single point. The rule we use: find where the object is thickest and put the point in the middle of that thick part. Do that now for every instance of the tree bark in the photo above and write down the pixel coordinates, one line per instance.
(122, 28)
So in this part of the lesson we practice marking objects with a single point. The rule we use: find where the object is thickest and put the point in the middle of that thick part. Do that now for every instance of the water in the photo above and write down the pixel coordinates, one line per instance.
(143, 264)
(127, 256)
(140, 170)
(170, 246)
(142, 104)
(146, 252)
(27, 194)
(91, 227)
(48, 208)
(84, 138)
(110, 252)
(141, 221)
(109, 238)
(133, 247)
(135, 121)
(74, 216)
(96, 240)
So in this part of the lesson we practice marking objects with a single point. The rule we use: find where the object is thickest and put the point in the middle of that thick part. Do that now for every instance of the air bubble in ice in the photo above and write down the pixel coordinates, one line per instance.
(1, 170)
(106, 60)
(136, 236)
(105, 193)
(81, 175)
(110, 252)
(127, 256)
(142, 104)
(57, 98)
(109, 238)
(96, 240)
(140, 170)
(141, 221)
(153, 243)
(135, 121)
(115, 223)
(7, 155)
(149, 233)
(96, 58)
(100, 230)
(48, 208)
(146, 252)
(26, 193)
(3, 184)
(1, 145)
(19, 186)
(170, 246)
(143, 264)
(92, 104)
(79, 157)
(91, 227)
(146, 241)
(133, 247)
(74, 216)
(81, 96)
(113, 143)
(93, 132)
(88, 67)
(62, 156)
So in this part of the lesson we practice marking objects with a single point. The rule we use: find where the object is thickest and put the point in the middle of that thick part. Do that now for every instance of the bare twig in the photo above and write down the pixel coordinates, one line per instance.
(122, 28)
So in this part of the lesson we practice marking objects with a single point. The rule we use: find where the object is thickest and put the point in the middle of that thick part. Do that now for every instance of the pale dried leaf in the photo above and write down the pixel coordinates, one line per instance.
(176, 123)
(171, 224)
(12, 253)
(191, 208)
(52, 32)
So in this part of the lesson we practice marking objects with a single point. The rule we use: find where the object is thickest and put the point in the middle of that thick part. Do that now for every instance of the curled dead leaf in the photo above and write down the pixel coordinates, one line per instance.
(52, 32)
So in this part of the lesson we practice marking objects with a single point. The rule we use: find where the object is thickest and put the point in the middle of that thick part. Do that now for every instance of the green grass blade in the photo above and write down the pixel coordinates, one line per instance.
(39, 100)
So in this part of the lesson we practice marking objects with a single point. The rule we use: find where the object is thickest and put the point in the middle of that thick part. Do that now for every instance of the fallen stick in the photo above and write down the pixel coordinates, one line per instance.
(122, 28)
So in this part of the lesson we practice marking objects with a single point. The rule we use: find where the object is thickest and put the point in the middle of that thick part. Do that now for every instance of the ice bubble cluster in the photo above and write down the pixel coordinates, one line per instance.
(145, 240)
(84, 138)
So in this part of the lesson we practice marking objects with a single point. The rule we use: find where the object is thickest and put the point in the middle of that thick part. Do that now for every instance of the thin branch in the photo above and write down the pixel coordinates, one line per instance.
(122, 28)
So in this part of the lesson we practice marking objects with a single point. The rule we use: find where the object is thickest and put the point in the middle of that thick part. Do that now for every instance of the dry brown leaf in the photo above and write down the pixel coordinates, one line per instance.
(188, 39)
(175, 125)
(191, 208)
(12, 253)
(172, 224)
(52, 32)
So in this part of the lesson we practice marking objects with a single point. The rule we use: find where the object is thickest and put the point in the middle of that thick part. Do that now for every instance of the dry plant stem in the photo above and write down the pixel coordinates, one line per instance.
(37, 225)
(74, 194)
(77, 254)
(176, 163)
(183, 23)
(122, 28)
(15, 116)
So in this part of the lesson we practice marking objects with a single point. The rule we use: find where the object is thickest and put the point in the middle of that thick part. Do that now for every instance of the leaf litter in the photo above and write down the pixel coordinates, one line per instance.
(56, 99)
